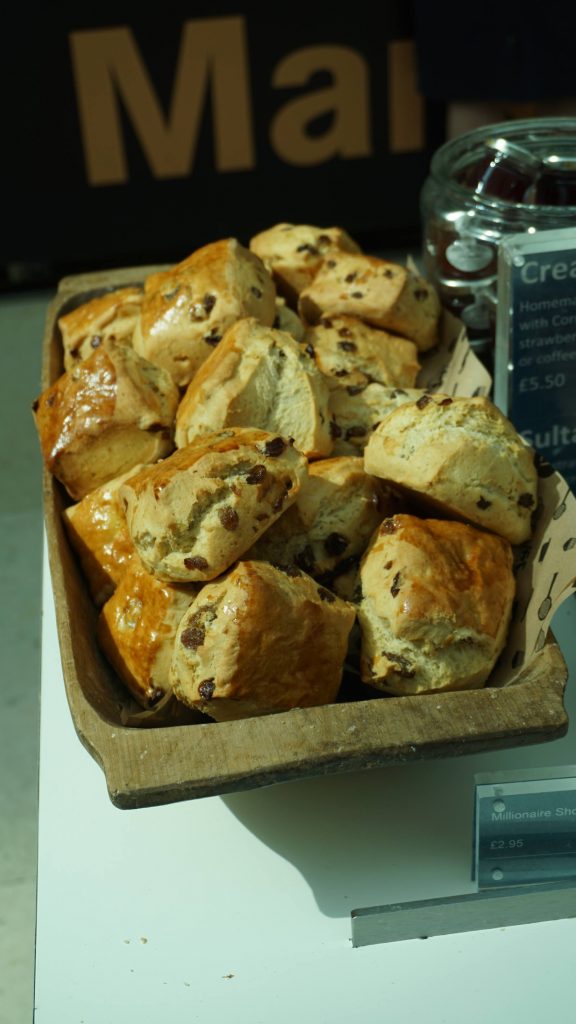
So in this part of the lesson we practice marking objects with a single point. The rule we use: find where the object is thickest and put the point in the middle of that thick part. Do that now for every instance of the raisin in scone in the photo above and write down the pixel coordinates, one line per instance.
(258, 377)
(350, 353)
(382, 293)
(192, 515)
(328, 527)
(187, 309)
(96, 528)
(260, 640)
(112, 316)
(111, 412)
(136, 631)
(462, 454)
(435, 607)
(293, 253)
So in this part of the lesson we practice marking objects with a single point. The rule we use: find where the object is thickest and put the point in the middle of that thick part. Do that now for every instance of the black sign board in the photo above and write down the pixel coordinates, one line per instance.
(135, 136)
(535, 377)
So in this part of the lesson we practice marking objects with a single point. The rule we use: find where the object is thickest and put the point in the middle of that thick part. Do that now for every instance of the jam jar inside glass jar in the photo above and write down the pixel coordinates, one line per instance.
(483, 185)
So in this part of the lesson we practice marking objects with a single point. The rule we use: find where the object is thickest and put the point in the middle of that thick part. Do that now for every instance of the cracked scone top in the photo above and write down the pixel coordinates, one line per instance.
(260, 640)
(258, 377)
(435, 607)
(192, 515)
(462, 454)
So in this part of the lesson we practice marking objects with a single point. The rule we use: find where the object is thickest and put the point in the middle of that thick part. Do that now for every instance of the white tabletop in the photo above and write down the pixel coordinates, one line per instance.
(237, 908)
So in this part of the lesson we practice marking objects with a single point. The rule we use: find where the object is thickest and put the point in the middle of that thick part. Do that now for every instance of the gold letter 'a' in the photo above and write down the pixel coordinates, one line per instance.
(108, 66)
(346, 100)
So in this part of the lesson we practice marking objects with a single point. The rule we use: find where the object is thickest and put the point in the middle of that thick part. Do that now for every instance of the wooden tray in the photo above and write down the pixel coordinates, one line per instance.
(165, 763)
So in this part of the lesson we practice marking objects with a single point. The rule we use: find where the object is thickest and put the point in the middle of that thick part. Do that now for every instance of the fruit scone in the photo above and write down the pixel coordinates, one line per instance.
(352, 354)
(293, 253)
(357, 411)
(435, 606)
(109, 413)
(329, 525)
(463, 457)
(380, 292)
(192, 515)
(137, 627)
(109, 317)
(187, 309)
(260, 640)
(258, 377)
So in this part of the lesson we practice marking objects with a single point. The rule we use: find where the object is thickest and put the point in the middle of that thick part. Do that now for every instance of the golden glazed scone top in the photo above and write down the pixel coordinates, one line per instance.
(187, 309)
(96, 527)
(136, 630)
(260, 640)
(111, 412)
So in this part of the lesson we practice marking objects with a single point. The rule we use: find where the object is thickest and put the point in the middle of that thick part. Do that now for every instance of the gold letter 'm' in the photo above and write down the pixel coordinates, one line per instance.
(347, 99)
(108, 66)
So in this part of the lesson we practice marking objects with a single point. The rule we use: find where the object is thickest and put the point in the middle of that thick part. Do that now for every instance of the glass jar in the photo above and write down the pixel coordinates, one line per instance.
(556, 185)
(496, 180)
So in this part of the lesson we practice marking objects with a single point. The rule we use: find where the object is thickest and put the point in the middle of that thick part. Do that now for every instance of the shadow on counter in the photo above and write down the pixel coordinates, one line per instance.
(371, 837)
(392, 834)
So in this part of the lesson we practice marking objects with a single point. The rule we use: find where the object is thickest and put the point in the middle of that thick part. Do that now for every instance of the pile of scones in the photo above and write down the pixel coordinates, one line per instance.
(261, 493)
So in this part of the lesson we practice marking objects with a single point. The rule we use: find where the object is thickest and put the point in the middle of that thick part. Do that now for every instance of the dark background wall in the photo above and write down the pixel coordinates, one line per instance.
(292, 116)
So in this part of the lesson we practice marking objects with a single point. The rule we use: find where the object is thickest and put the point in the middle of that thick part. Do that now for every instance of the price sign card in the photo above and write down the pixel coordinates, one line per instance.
(535, 365)
(525, 829)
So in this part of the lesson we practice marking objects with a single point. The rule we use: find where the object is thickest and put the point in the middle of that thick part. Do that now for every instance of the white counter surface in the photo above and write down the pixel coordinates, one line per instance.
(237, 908)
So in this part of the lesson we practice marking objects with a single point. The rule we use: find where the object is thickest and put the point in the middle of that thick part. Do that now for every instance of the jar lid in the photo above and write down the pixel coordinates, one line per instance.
(513, 151)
